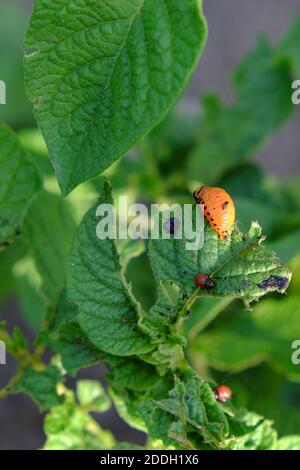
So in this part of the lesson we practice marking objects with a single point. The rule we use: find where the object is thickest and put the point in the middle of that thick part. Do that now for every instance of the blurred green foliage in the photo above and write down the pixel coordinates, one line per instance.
(14, 19)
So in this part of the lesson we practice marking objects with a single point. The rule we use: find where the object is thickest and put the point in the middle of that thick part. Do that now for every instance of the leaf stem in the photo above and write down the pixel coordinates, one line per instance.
(187, 306)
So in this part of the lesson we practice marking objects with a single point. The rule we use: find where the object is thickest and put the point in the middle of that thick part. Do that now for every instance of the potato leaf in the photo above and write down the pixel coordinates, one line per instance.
(108, 313)
(241, 265)
(101, 75)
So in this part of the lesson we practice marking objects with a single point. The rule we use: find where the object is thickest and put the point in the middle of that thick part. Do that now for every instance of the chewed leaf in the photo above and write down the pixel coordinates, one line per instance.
(246, 269)
(241, 266)
(188, 416)
(108, 313)
(96, 83)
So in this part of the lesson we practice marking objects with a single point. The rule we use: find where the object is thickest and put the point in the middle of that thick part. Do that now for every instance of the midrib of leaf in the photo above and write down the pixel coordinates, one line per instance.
(238, 253)
(167, 294)
(197, 291)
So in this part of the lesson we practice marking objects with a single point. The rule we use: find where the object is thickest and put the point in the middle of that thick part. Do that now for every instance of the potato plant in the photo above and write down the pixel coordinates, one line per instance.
(103, 77)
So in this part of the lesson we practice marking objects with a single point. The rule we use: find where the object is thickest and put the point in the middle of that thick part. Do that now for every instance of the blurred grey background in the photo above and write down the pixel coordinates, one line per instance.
(234, 26)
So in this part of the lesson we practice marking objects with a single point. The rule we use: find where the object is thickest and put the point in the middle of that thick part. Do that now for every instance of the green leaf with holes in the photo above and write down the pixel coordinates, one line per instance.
(108, 312)
(187, 417)
(19, 181)
(241, 266)
(101, 74)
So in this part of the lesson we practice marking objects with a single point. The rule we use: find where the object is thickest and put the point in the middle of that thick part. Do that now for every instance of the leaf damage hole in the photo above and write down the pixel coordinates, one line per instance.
(31, 51)
(274, 282)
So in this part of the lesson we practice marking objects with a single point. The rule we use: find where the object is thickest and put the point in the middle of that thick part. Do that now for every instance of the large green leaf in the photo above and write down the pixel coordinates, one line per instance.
(189, 417)
(102, 74)
(19, 181)
(108, 313)
(247, 339)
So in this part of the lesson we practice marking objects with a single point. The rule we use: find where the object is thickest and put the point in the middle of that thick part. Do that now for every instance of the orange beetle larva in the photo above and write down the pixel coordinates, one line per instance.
(219, 208)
